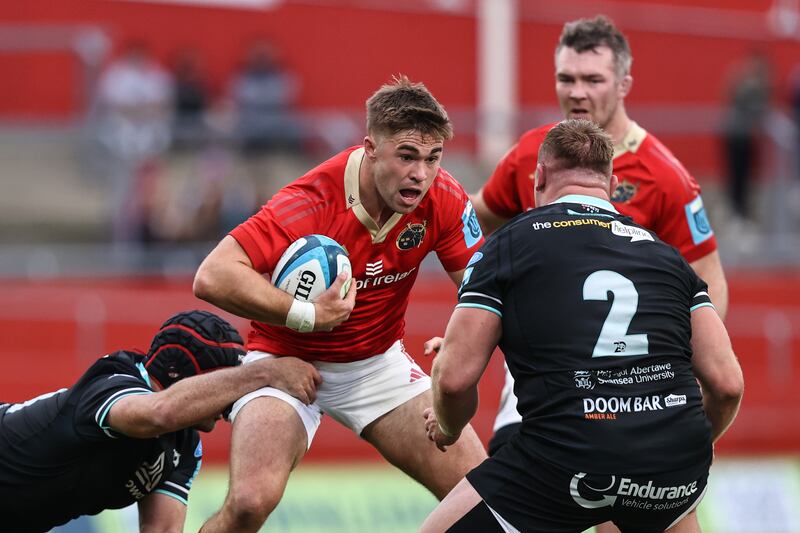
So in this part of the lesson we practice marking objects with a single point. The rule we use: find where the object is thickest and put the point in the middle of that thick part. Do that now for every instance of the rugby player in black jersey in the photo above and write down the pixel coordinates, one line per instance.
(624, 372)
(125, 432)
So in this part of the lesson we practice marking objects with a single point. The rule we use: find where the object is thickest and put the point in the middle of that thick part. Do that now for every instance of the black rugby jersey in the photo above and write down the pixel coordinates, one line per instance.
(596, 332)
(60, 460)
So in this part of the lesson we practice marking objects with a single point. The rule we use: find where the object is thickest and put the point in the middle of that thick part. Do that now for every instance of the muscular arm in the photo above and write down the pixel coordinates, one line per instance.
(709, 268)
(489, 221)
(159, 513)
(470, 339)
(226, 278)
(717, 369)
(199, 398)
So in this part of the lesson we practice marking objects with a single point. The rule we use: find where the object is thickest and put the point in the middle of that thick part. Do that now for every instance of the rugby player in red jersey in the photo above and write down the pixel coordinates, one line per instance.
(389, 204)
(593, 62)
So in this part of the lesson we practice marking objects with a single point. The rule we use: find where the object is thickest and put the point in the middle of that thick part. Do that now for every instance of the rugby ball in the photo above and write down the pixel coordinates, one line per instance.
(310, 265)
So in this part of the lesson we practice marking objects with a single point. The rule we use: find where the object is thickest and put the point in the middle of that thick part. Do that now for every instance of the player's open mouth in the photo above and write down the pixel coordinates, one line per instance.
(579, 112)
(410, 195)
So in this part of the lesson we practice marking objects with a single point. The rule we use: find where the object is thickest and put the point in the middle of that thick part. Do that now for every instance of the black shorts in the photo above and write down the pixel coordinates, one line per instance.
(538, 496)
(502, 436)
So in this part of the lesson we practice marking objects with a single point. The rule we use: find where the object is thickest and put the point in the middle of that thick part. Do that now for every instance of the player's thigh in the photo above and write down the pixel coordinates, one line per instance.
(268, 441)
(461, 500)
(400, 437)
(687, 524)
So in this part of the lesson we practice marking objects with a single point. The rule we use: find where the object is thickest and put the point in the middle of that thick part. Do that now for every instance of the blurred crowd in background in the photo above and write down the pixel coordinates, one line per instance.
(152, 120)
(148, 116)
(187, 163)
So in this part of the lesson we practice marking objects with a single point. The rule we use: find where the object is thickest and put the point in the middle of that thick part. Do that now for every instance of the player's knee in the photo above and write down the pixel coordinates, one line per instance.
(249, 509)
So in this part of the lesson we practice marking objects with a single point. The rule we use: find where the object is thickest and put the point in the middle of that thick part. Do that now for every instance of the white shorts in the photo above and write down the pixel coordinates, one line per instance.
(354, 394)
(507, 413)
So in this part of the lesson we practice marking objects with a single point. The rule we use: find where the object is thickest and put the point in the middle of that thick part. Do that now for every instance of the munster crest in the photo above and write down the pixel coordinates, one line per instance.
(624, 192)
(412, 235)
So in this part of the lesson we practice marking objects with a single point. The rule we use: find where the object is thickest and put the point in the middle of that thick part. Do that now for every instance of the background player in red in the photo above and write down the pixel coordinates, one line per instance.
(593, 63)
(389, 204)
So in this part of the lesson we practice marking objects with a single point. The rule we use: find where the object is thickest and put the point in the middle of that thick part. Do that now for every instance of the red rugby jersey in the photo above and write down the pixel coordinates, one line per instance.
(385, 261)
(654, 189)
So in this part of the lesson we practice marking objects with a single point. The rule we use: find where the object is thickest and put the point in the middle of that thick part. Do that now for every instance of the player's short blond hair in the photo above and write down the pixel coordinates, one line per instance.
(583, 35)
(403, 106)
(578, 144)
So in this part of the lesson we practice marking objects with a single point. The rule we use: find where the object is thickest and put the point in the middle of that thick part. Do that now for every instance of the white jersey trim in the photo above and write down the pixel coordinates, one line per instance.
(177, 487)
(482, 296)
(102, 411)
(352, 199)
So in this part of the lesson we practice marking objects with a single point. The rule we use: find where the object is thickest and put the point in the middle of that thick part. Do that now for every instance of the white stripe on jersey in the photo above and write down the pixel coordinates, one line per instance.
(482, 296)
(178, 487)
(98, 415)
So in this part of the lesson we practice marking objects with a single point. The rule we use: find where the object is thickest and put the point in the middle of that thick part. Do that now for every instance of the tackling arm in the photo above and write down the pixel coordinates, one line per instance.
(196, 399)
(717, 369)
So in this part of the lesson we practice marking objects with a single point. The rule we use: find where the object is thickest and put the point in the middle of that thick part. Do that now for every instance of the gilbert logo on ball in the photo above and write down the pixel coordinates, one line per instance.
(310, 265)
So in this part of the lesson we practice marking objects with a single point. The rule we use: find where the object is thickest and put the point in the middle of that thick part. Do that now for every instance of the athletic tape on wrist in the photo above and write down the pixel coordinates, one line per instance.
(301, 316)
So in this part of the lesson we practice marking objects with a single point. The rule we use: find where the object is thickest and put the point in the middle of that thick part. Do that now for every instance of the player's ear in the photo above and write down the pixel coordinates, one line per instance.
(613, 183)
(625, 85)
(370, 146)
(539, 178)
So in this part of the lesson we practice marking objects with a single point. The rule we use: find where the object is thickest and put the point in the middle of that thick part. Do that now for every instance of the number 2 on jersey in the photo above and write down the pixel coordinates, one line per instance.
(614, 340)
